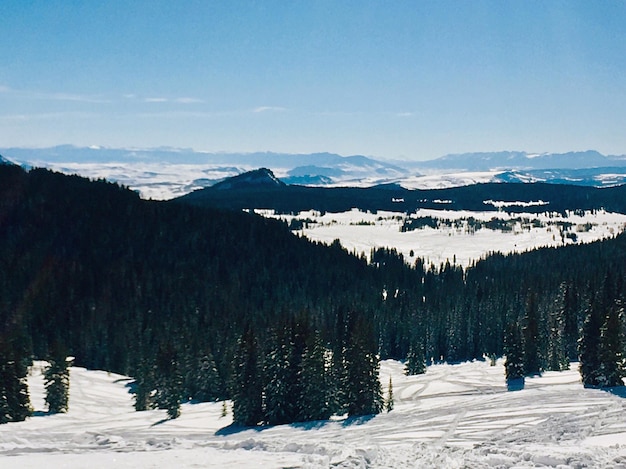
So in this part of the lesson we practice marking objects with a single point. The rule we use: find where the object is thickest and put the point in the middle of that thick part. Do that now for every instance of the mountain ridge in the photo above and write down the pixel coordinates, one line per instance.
(244, 193)
(167, 173)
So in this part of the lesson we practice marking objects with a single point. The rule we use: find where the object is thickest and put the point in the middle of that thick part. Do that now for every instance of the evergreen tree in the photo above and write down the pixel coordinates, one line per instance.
(530, 334)
(612, 368)
(569, 307)
(14, 398)
(556, 359)
(589, 343)
(246, 386)
(144, 385)
(415, 361)
(514, 363)
(338, 382)
(280, 383)
(389, 399)
(206, 380)
(169, 381)
(57, 382)
(314, 379)
(364, 392)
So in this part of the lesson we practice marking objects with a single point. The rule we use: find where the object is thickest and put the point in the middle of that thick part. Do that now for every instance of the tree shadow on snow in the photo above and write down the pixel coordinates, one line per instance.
(313, 425)
(619, 391)
(166, 419)
(360, 420)
(233, 429)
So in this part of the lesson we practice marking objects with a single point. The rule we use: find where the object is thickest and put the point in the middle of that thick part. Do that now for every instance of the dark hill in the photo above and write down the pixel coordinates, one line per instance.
(232, 195)
(259, 179)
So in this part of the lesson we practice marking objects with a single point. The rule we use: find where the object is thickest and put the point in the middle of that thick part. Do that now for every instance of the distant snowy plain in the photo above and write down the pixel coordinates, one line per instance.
(454, 416)
(167, 180)
(455, 240)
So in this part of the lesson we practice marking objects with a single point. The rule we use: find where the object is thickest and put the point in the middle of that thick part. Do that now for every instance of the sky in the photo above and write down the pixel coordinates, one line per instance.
(391, 79)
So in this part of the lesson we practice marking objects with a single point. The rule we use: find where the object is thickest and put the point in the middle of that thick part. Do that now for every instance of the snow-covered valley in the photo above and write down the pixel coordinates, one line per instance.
(459, 236)
(454, 416)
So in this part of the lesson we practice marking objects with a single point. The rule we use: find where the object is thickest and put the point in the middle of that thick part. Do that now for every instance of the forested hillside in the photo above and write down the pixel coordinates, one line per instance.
(202, 304)
(238, 193)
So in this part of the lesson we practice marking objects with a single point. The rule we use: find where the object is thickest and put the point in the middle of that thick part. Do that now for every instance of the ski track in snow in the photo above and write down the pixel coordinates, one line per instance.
(454, 416)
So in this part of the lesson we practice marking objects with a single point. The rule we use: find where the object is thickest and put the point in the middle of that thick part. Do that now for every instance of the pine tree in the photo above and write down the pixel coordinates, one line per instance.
(20, 403)
(169, 381)
(589, 343)
(338, 382)
(612, 368)
(364, 391)
(569, 312)
(389, 400)
(246, 385)
(206, 379)
(314, 379)
(601, 344)
(415, 361)
(530, 333)
(279, 382)
(514, 363)
(144, 385)
(14, 398)
(57, 382)
(556, 359)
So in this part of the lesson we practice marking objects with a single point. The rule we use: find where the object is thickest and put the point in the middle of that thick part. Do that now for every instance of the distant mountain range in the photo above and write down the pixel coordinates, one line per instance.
(517, 160)
(260, 189)
(165, 173)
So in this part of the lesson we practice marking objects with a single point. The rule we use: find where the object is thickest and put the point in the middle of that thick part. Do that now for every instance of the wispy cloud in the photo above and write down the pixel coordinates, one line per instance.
(181, 100)
(72, 97)
(269, 109)
(46, 116)
(182, 114)
(53, 96)
(187, 100)
(404, 114)
(94, 99)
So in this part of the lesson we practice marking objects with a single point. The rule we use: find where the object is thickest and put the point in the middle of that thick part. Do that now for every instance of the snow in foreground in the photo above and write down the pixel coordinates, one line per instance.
(454, 416)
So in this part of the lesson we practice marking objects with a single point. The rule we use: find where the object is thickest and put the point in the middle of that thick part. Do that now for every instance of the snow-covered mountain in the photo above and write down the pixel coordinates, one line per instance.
(4, 160)
(518, 160)
(165, 173)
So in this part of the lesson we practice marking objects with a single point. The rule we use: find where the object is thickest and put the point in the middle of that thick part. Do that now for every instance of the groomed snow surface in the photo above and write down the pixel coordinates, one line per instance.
(454, 416)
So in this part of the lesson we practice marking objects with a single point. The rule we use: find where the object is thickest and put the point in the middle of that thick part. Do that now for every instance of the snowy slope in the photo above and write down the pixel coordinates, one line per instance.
(454, 416)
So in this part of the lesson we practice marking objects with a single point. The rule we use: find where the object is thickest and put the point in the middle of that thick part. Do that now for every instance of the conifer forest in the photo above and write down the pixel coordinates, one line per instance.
(203, 304)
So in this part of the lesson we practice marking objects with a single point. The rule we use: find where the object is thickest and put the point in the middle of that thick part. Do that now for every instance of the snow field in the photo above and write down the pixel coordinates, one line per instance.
(454, 416)
(361, 232)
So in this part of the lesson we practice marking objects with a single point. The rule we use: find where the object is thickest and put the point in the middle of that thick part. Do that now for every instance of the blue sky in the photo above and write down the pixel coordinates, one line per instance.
(391, 79)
